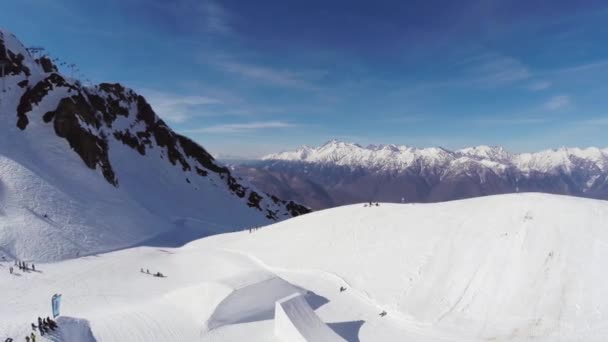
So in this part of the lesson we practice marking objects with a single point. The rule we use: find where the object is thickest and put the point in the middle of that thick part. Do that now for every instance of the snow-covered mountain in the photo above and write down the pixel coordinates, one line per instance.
(340, 173)
(519, 267)
(85, 169)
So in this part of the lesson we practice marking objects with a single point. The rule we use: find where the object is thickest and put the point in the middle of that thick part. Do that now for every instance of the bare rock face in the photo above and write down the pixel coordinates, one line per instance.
(90, 118)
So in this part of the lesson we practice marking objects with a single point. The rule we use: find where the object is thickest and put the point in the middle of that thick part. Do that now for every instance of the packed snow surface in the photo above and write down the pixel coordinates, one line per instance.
(295, 321)
(521, 267)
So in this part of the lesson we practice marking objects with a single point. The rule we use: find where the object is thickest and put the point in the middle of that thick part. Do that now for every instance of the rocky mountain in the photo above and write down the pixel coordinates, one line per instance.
(96, 166)
(338, 173)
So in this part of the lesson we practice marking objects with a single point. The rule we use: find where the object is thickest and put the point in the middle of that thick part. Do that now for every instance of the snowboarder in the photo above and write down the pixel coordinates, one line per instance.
(383, 313)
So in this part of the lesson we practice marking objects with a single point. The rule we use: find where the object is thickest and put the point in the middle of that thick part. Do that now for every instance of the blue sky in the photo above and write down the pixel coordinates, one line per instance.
(246, 78)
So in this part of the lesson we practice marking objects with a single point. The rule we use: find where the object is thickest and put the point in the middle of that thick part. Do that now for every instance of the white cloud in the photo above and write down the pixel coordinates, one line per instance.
(178, 108)
(558, 102)
(599, 121)
(492, 69)
(512, 120)
(241, 127)
(269, 75)
(539, 85)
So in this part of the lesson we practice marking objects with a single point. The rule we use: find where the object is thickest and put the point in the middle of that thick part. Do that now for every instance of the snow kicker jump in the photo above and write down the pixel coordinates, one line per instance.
(295, 321)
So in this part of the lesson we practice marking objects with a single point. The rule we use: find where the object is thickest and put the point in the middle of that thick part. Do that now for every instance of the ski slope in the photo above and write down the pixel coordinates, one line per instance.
(523, 267)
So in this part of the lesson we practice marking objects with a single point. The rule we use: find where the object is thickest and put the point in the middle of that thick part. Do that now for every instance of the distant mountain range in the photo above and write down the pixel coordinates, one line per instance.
(339, 173)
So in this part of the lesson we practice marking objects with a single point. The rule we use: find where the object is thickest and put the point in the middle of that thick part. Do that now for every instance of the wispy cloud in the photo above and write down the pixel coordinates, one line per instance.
(512, 120)
(582, 67)
(558, 102)
(241, 127)
(539, 85)
(199, 16)
(178, 108)
(493, 69)
(271, 75)
(597, 121)
(217, 17)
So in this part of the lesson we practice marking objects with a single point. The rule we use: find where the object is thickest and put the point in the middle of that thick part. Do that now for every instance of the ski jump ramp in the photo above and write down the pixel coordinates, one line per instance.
(295, 321)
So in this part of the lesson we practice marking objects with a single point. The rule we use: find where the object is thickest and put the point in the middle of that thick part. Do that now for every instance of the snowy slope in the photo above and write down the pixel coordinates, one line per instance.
(91, 169)
(510, 267)
(524, 267)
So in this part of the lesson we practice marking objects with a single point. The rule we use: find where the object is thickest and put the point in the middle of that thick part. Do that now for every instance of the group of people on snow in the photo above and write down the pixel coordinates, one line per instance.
(44, 326)
(157, 274)
(372, 204)
(23, 266)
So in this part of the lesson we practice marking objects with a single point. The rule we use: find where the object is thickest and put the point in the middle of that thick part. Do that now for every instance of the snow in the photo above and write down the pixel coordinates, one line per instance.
(295, 321)
(399, 158)
(520, 267)
(53, 207)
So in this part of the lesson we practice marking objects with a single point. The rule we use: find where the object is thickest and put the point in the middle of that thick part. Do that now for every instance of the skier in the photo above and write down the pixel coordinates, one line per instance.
(33, 337)
(342, 288)
(11, 269)
(33, 267)
(383, 313)
(34, 327)
(27, 339)
(147, 271)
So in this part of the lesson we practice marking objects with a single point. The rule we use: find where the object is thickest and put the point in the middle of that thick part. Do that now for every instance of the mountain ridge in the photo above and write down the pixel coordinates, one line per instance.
(338, 173)
(399, 157)
(88, 148)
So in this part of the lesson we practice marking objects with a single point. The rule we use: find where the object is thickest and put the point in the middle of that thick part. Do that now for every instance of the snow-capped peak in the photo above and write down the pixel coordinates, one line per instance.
(400, 157)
